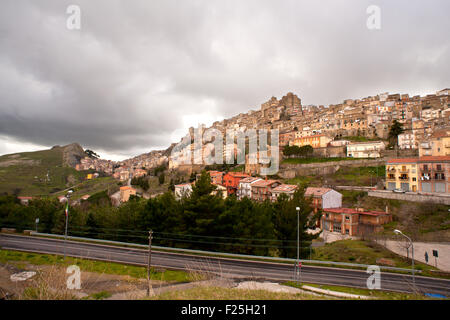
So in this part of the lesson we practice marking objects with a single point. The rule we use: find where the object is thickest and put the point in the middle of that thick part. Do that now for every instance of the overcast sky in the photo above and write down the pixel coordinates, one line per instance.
(139, 73)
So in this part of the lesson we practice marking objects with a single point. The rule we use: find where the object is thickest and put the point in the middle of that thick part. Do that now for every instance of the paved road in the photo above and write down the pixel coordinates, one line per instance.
(224, 266)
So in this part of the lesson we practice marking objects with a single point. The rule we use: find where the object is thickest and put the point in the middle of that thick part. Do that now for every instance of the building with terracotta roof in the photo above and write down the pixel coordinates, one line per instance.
(231, 181)
(324, 198)
(25, 200)
(287, 189)
(424, 174)
(353, 222)
(262, 189)
(245, 187)
(216, 177)
(126, 192)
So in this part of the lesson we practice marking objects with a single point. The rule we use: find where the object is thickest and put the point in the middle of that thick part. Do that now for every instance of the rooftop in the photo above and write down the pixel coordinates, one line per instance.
(355, 211)
(285, 188)
(249, 179)
(264, 183)
(310, 191)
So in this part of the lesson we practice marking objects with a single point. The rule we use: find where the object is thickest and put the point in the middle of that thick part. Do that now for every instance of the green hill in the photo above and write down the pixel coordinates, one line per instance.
(41, 172)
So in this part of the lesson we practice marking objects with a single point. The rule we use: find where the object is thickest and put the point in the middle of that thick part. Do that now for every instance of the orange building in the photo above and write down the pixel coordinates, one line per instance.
(231, 181)
(126, 192)
(315, 141)
(216, 177)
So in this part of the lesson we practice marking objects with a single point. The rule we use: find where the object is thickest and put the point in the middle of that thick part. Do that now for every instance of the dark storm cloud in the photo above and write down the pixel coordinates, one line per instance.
(126, 79)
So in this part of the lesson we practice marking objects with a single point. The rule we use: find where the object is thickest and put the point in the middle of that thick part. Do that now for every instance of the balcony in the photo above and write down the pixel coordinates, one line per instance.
(403, 170)
(390, 178)
(403, 178)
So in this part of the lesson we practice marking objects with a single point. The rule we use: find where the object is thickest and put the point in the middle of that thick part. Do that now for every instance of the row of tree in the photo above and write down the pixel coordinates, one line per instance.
(296, 151)
(201, 221)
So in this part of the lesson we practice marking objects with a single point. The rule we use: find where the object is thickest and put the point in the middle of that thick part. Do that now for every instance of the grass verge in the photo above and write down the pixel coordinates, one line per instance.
(21, 258)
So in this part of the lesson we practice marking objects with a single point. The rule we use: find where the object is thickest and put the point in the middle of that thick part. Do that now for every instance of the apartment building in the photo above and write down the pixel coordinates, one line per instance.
(407, 141)
(423, 174)
(354, 222)
(287, 189)
(402, 174)
(262, 190)
(245, 187)
(316, 141)
(434, 171)
(216, 177)
(370, 149)
(231, 181)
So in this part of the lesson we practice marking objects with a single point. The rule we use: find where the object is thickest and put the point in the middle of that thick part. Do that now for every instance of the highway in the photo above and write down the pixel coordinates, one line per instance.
(226, 267)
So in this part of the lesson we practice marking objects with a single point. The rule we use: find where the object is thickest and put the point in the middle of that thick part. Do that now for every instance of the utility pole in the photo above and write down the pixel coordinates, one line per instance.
(150, 237)
(298, 244)
(69, 193)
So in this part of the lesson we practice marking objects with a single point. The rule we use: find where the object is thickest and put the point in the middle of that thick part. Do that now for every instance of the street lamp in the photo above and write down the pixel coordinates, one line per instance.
(69, 193)
(298, 240)
(396, 231)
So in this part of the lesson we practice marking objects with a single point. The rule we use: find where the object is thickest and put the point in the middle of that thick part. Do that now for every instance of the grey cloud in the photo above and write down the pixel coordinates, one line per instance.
(124, 81)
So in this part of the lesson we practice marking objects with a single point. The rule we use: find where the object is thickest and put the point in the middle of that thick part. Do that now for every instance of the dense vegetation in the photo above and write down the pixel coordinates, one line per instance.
(200, 221)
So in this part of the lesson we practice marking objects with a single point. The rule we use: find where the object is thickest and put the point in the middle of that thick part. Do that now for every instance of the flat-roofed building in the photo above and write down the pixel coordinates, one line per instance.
(354, 222)
(402, 174)
(434, 172)
(369, 149)
(315, 141)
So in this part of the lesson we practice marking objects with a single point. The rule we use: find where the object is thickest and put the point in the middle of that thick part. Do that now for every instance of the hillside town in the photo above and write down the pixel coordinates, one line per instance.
(328, 129)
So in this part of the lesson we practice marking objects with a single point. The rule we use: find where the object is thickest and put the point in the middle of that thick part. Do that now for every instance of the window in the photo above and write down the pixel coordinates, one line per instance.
(347, 218)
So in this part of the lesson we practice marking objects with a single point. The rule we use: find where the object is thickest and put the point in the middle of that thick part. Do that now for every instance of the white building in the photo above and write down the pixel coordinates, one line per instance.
(245, 187)
(407, 141)
(324, 198)
(370, 149)
(183, 190)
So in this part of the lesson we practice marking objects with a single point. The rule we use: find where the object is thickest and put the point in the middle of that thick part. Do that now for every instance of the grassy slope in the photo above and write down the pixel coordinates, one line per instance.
(20, 258)
(217, 293)
(377, 294)
(31, 179)
(91, 187)
(355, 251)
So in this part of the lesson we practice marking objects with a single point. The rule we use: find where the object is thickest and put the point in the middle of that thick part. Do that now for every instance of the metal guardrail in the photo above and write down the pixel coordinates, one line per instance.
(223, 254)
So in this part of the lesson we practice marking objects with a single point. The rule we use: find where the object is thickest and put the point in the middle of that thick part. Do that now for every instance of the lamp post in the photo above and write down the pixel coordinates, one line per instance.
(67, 220)
(396, 231)
(298, 242)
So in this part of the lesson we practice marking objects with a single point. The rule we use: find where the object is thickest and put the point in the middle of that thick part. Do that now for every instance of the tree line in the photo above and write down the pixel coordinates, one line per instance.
(203, 220)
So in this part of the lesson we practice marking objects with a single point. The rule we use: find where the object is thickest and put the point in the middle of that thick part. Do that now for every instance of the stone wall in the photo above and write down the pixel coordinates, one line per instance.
(411, 196)
(289, 171)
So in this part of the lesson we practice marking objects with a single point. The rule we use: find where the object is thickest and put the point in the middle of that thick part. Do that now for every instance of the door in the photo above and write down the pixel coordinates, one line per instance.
(404, 186)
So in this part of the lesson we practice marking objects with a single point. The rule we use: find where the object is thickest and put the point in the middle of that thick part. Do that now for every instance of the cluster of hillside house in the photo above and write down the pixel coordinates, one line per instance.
(335, 218)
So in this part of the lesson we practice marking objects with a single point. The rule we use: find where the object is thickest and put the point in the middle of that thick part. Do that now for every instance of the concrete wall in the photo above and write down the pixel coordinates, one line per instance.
(410, 196)
(332, 199)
